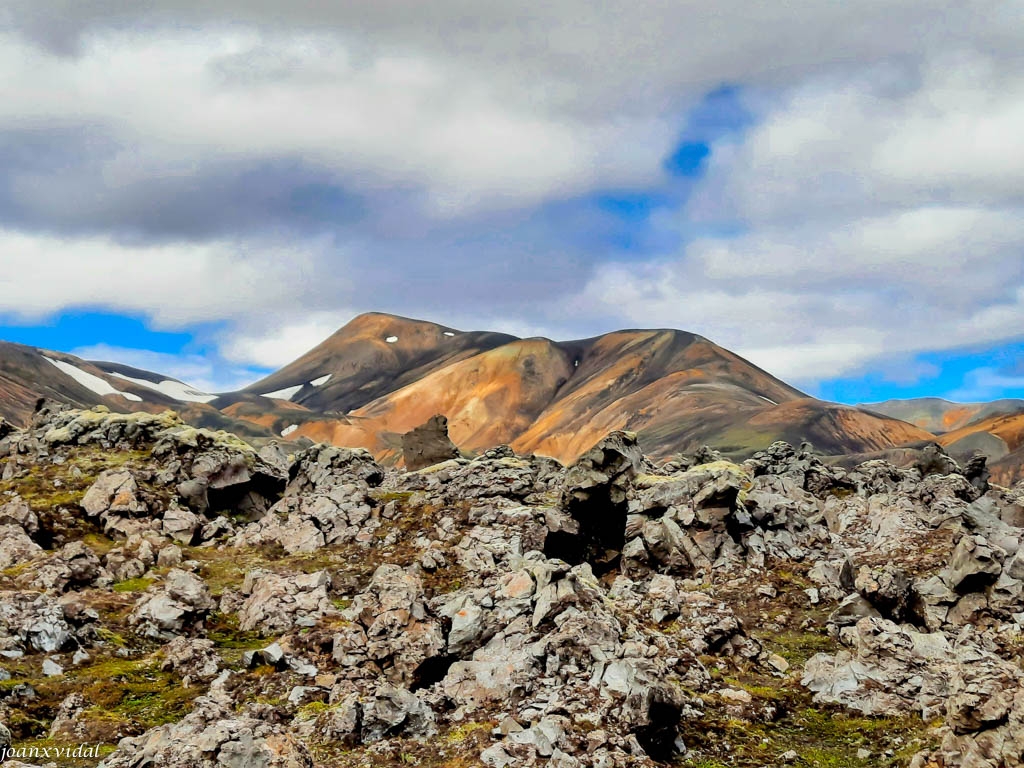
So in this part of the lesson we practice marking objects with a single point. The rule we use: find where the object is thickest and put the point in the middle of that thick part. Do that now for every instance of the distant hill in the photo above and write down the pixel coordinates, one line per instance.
(381, 375)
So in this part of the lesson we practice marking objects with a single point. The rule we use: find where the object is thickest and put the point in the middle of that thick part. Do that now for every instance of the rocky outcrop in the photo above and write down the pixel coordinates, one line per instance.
(428, 444)
(273, 603)
(176, 607)
(504, 610)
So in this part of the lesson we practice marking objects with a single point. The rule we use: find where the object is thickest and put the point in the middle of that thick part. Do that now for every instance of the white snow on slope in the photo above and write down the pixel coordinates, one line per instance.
(391, 339)
(448, 333)
(91, 382)
(289, 429)
(767, 400)
(175, 390)
(284, 394)
(322, 380)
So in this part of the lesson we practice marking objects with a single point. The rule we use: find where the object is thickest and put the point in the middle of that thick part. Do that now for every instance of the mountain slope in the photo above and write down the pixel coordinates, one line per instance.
(677, 390)
(372, 355)
(939, 416)
(381, 375)
(28, 374)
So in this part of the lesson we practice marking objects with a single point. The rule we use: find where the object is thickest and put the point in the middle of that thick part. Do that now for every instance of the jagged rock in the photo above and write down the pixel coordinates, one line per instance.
(322, 467)
(393, 614)
(213, 735)
(18, 512)
(115, 492)
(181, 524)
(594, 493)
(16, 547)
(193, 659)
(973, 566)
(181, 602)
(393, 711)
(5, 738)
(889, 590)
(276, 603)
(34, 623)
(428, 444)
(977, 472)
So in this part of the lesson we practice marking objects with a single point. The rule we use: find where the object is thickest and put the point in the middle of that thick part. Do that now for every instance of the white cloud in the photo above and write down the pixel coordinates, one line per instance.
(986, 383)
(943, 134)
(276, 346)
(829, 298)
(878, 191)
(396, 119)
(174, 284)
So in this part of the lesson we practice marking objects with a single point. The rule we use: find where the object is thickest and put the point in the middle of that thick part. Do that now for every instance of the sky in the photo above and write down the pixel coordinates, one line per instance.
(209, 188)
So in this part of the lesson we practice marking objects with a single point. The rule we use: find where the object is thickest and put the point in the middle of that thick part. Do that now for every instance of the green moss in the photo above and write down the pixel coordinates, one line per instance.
(222, 629)
(133, 585)
(797, 647)
(385, 497)
(109, 636)
(464, 731)
(135, 690)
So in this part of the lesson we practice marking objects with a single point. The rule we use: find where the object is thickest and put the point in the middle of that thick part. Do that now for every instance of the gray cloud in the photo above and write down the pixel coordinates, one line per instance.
(276, 167)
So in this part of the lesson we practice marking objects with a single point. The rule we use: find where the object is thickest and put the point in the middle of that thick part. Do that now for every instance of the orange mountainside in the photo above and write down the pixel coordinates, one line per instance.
(381, 375)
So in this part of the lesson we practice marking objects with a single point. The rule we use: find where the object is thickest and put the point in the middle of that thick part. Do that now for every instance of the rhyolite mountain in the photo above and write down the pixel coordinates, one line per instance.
(995, 429)
(381, 375)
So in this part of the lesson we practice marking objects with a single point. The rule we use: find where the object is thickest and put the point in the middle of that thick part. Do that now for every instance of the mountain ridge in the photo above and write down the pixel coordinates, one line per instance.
(381, 375)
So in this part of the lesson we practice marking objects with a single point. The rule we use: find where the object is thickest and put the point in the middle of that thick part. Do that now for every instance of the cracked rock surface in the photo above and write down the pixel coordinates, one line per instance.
(184, 600)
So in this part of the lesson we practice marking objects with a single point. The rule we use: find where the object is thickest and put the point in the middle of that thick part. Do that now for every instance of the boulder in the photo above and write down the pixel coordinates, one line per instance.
(275, 603)
(177, 606)
(428, 444)
(974, 565)
(16, 548)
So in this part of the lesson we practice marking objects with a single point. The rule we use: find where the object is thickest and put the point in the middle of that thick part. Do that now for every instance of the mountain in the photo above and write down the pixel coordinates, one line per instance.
(940, 416)
(995, 429)
(382, 375)
(28, 374)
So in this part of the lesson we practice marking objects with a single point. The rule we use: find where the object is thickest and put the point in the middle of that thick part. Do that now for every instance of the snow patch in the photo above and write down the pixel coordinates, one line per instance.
(322, 380)
(283, 394)
(391, 339)
(91, 382)
(289, 429)
(767, 400)
(448, 333)
(175, 390)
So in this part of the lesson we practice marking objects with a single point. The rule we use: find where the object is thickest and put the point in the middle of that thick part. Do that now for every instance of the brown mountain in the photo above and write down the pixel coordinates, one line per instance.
(939, 416)
(381, 375)
(1000, 437)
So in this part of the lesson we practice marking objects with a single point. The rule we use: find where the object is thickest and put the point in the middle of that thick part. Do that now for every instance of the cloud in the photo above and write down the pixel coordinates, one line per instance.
(174, 284)
(988, 383)
(261, 171)
(173, 100)
(276, 346)
(828, 299)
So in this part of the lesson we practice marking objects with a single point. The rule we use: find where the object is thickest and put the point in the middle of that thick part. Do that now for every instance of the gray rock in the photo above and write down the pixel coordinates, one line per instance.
(115, 492)
(181, 524)
(16, 547)
(275, 603)
(974, 565)
(179, 604)
(428, 444)
(393, 711)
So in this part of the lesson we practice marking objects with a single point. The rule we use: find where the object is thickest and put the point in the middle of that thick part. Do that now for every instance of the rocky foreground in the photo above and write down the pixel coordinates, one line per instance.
(181, 599)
